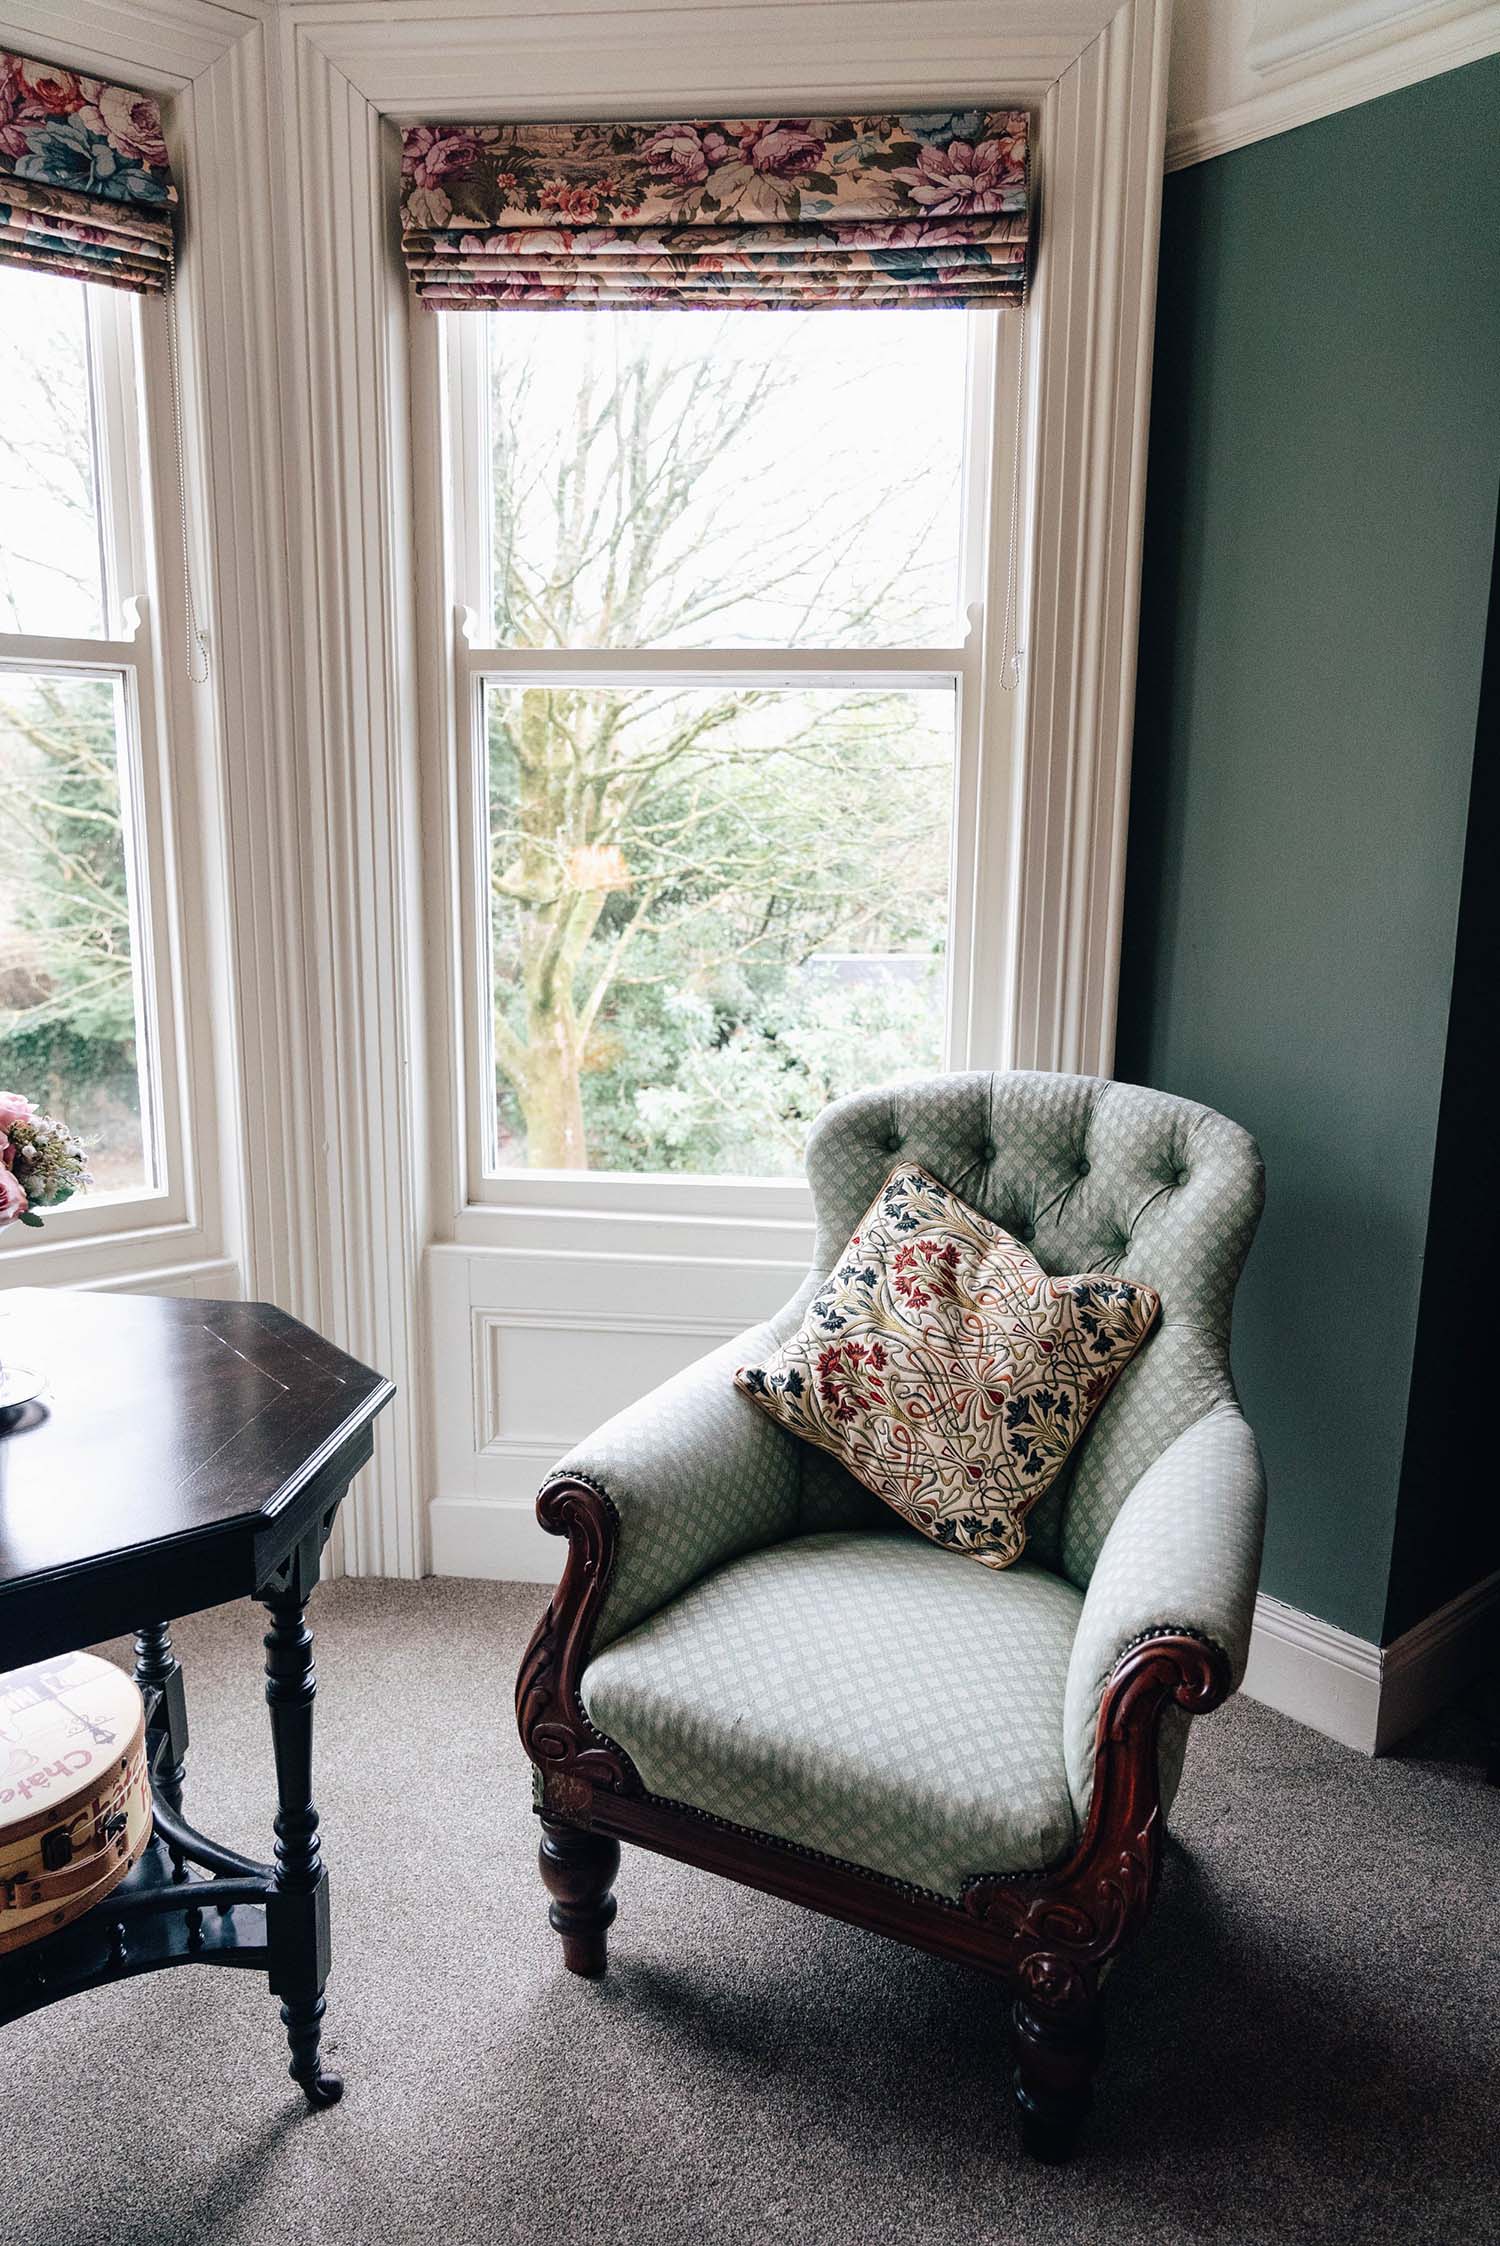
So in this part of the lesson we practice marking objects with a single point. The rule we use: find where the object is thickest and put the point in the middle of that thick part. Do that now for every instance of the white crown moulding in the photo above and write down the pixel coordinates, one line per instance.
(1290, 31)
(1309, 61)
(161, 45)
(409, 60)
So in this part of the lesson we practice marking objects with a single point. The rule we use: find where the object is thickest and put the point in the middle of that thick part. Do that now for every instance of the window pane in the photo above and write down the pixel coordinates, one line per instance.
(724, 480)
(69, 1020)
(711, 912)
(51, 579)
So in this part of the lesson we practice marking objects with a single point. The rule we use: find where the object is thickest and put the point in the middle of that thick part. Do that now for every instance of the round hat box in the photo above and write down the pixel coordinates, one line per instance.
(75, 1801)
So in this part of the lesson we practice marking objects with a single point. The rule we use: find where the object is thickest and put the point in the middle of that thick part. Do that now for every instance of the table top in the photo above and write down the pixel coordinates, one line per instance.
(164, 1419)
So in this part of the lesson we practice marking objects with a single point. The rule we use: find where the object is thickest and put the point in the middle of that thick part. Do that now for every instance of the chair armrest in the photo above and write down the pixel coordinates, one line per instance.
(1183, 1553)
(694, 1474)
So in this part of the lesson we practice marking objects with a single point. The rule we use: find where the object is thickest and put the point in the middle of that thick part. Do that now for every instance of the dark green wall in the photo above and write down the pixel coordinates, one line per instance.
(1325, 458)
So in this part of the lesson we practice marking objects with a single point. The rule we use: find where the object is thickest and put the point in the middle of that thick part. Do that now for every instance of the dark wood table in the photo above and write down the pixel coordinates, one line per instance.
(182, 1453)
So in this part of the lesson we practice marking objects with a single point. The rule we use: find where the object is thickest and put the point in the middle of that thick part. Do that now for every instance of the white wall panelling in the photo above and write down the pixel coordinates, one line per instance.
(531, 1349)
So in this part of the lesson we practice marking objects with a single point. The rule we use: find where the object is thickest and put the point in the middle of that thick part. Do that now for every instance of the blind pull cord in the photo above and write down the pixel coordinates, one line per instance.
(1012, 652)
(197, 641)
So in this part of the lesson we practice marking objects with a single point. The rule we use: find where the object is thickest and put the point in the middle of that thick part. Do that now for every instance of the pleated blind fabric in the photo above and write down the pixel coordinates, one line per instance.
(719, 214)
(85, 185)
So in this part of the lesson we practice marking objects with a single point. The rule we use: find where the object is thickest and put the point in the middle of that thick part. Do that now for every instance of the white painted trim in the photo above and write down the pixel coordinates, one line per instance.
(1288, 31)
(1436, 1658)
(1367, 1696)
(449, 477)
(1100, 152)
(161, 45)
(213, 1278)
(185, 1007)
(344, 419)
(1329, 79)
(472, 58)
(228, 298)
(1323, 1676)
(490, 1438)
(493, 1538)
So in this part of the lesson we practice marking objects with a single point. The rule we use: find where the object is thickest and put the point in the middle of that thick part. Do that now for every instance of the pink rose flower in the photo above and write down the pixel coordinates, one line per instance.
(14, 1109)
(13, 1202)
(579, 203)
(963, 178)
(48, 91)
(430, 154)
(132, 123)
(681, 156)
(782, 148)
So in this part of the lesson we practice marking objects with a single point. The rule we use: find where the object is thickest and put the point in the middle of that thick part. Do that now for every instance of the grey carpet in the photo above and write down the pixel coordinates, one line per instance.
(1302, 2048)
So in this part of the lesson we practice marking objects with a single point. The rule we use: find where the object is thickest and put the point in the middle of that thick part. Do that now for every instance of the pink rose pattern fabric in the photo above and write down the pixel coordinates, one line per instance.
(947, 1370)
(725, 214)
(85, 183)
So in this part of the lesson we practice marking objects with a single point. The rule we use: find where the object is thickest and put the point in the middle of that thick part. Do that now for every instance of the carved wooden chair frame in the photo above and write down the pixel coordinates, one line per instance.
(1047, 1937)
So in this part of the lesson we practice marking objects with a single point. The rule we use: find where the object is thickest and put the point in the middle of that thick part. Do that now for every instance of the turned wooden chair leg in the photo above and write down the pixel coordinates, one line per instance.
(1056, 2053)
(577, 1870)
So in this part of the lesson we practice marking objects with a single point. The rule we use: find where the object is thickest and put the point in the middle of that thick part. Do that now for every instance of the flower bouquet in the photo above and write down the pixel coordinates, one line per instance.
(41, 1163)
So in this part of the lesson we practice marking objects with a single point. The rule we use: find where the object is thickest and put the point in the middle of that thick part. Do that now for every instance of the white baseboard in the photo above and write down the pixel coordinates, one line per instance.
(1365, 1696)
(1323, 1676)
(495, 1538)
(1429, 1663)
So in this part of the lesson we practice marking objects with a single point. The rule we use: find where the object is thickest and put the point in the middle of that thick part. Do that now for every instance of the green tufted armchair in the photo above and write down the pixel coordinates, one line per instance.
(752, 1665)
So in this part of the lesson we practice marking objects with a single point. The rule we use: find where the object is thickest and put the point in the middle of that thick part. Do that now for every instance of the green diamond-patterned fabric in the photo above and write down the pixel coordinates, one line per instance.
(697, 1476)
(863, 1693)
(1184, 1549)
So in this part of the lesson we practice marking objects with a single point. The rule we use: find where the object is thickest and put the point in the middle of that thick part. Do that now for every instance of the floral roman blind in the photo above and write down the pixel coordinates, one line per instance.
(720, 213)
(85, 185)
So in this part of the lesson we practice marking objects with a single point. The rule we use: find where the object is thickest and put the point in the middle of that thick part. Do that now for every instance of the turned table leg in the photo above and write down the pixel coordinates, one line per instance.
(297, 1913)
(158, 1671)
(577, 1870)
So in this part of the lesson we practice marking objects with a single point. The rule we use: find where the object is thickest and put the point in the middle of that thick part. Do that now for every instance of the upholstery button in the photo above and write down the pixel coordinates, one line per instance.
(1083, 1169)
(988, 1151)
(1021, 1231)
(1179, 1177)
(894, 1144)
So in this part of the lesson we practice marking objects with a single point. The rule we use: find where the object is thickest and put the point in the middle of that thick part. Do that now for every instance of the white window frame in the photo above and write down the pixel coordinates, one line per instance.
(974, 1033)
(131, 655)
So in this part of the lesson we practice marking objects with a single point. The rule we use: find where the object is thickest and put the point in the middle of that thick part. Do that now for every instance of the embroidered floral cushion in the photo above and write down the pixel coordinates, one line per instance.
(947, 1370)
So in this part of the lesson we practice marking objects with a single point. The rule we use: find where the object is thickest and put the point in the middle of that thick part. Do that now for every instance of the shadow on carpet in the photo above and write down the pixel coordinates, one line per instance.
(1302, 2048)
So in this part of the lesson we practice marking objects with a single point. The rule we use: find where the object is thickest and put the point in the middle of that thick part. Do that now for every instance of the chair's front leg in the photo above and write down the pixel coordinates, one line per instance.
(578, 1871)
(1065, 1927)
(1056, 2047)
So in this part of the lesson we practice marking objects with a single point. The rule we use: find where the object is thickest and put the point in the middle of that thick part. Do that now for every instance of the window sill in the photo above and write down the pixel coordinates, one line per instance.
(157, 1248)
